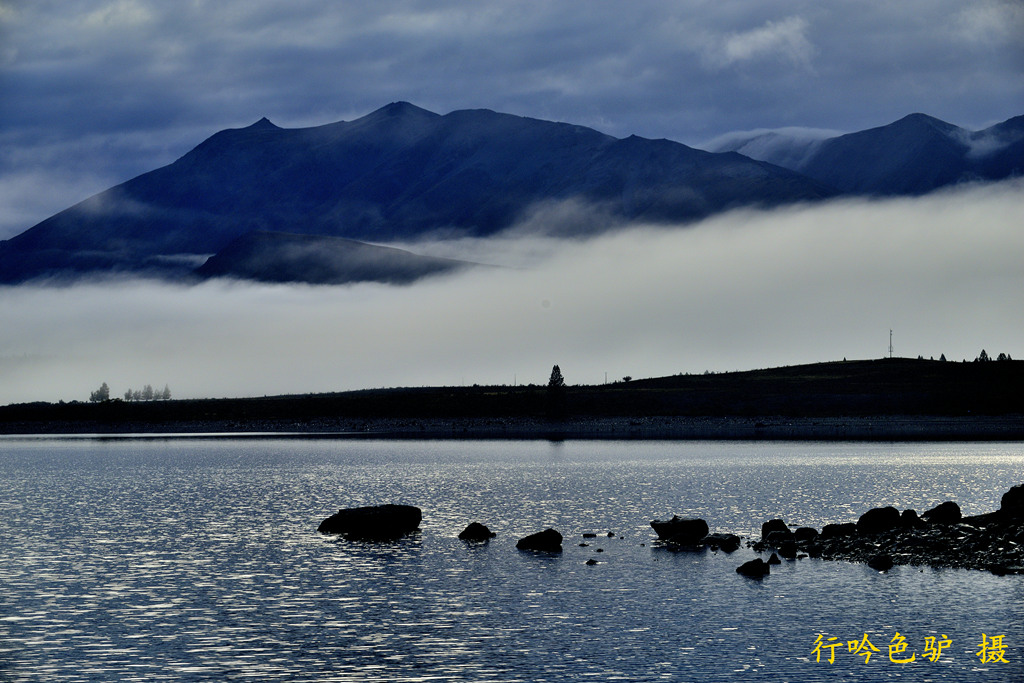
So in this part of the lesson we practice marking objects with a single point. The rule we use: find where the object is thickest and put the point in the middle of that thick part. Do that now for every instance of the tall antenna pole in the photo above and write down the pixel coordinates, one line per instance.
(890, 343)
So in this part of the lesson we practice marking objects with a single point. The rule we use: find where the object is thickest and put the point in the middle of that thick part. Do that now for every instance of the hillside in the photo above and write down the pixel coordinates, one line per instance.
(940, 400)
(398, 173)
(319, 259)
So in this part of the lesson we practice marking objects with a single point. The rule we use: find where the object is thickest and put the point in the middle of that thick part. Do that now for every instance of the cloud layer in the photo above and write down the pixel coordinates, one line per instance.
(740, 291)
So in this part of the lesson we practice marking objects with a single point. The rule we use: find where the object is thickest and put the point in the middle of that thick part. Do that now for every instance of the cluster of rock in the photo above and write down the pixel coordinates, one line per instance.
(391, 522)
(882, 537)
(691, 533)
(941, 537)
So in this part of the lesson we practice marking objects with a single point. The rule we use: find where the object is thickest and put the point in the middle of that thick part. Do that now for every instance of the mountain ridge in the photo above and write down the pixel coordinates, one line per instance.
(395, 174)
(911, 156)
(402, 172)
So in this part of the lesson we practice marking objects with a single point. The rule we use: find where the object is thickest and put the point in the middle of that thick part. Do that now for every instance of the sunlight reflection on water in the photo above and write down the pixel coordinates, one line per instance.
(198, 560)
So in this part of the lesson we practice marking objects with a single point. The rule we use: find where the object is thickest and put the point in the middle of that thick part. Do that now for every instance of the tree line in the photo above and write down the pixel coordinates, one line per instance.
(146, 393)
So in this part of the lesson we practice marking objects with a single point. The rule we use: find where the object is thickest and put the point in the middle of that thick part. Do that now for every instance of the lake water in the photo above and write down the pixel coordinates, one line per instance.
(197, 559)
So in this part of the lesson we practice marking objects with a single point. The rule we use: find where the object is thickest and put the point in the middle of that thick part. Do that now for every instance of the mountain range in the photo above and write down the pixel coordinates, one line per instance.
(320, 204)
(912, 156)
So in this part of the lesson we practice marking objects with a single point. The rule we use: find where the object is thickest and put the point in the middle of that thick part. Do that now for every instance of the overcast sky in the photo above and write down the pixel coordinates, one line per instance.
(94, 92)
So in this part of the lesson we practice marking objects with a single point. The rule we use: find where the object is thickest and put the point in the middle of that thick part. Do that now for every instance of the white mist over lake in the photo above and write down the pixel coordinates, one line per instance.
(744, 290)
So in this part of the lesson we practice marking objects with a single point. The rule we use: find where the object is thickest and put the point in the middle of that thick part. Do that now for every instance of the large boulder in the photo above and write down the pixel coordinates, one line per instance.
(776, 526)
(476, 532)
(725, 542)
(754, 569)
(878, 520)
(373, 523)
(680, 530)
(1012, 503)
(547, 541)
(882, 562)
(830, 531)
(945, 513)
(910, 520)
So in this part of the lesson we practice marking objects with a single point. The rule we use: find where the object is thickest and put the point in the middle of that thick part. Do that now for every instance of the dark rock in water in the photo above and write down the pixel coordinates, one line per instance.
(774, 559)
(777, 538)
(993, 541)
(547, 541)
(877, 520)
(805, 534)
(589, 535)
(755, 569)
(725, 542)
(787, 549)
(681, 531)
(776, 526)
(591, 562)
(476, 532)
(373, 523)
(882, 562)
(1012, 503)
(835, 530)
(910, 520)
(945, 513)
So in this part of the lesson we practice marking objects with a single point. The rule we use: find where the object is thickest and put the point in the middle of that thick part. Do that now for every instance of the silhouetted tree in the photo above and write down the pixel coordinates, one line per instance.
(982, 357)
(556, 395)
(166, 394)
(147, 392)
(101, 394)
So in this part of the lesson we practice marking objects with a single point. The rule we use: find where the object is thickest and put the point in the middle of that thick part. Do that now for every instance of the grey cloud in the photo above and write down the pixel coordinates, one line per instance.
(120, 82)
(744, 290)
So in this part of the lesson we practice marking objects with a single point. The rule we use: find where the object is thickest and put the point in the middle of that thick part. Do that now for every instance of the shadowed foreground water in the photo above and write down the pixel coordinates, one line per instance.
(198, 560)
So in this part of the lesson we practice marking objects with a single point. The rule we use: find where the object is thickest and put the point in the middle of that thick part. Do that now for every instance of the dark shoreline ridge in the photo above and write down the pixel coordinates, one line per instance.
(887, 399)
(884, 537)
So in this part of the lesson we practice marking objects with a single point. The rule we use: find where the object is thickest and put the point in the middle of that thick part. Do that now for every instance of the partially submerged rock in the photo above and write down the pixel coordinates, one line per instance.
(682, 531)
(476, 532)
(941, 537)
(373, 523)
(775, 526)
(755, 569)
(945, 513)
(725, 542)
(836, 530)
(547, 541)
(882, 562)
(1012, 504)
(878, 520)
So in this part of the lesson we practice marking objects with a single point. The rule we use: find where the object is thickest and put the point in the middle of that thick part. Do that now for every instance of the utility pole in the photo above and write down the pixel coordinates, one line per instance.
(890, 343)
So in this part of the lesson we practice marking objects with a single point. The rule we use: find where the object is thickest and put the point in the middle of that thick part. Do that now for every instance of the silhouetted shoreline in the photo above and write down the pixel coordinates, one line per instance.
(873, 400)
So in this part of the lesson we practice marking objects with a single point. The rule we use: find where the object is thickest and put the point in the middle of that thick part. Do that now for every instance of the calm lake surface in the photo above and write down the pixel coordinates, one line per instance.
(197, 559)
